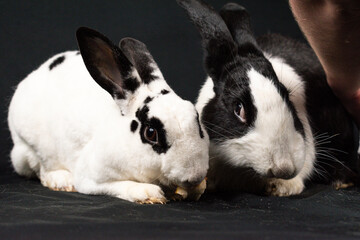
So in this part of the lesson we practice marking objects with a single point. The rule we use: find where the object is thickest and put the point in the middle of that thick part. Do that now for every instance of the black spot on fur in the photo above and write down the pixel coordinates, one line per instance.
(134, 125)
(148, 99)
(200, 130)
(56, 62)
(146, 74)
(142, 115)
(131, 84)
(77, 53)
(164, 91)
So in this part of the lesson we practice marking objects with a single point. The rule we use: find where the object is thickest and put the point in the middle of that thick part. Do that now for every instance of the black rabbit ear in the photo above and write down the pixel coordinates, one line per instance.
(218, 43)
(237, 20)
(141, 58)
(106, 63)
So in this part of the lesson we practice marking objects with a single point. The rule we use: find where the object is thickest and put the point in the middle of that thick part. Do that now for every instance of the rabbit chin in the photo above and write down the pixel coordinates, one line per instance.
(186, 164)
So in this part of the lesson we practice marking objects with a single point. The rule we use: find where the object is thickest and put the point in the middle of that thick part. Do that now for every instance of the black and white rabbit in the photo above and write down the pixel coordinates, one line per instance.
(272, 119)
(124, 134)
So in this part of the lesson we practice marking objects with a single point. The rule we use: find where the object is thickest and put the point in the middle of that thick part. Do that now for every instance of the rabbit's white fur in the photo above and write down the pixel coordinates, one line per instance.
(273, 141)
(73, 135)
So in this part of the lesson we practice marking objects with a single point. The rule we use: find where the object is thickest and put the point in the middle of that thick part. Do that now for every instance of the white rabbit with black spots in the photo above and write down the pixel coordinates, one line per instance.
(262, 104)
(125, 134)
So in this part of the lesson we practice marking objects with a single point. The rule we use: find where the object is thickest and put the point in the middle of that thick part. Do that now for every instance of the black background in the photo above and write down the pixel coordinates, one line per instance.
(32, 31)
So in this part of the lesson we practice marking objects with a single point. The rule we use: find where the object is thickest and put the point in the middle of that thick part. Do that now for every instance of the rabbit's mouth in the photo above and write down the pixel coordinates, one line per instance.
(281, 173)
(190, 193)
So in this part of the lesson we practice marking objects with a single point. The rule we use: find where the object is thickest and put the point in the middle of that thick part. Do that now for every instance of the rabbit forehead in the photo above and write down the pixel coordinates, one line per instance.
(273, 115)
(177, 115)
(273, 103)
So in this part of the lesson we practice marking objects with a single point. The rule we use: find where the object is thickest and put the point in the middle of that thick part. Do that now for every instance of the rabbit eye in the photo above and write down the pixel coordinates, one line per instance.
(151, 135)
(240, 112)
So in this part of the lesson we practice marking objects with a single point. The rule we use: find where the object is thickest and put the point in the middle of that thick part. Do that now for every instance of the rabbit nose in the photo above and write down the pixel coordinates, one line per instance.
(281, 173)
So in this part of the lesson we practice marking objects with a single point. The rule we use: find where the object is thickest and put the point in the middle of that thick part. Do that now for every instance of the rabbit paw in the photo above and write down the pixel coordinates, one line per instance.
(59, 180)
(284, 188)
(147, 194)
(342, 185)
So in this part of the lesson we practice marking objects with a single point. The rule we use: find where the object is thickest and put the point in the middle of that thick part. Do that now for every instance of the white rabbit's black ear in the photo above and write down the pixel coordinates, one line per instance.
(237, 20)
(141, 58)
(217, 41)
(106, 63)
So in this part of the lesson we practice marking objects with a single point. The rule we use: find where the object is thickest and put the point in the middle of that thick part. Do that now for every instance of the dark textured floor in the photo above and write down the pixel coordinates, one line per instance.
(30, 211)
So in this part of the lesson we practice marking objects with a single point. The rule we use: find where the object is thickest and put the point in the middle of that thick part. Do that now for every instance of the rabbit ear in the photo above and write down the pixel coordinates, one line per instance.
(141, 58)
(237, 20)
(106, 63)
(219, 45)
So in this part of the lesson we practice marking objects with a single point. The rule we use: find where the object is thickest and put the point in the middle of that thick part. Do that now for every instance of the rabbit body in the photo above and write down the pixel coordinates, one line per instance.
(75, 136)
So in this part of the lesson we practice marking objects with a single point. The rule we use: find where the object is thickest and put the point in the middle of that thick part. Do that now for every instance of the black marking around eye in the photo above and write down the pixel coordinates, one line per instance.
(162, 145)
(218, 115)
(236, 83)
(56, 62)
(164, 91)
(148, 99)
(198, 122)
(134, 125)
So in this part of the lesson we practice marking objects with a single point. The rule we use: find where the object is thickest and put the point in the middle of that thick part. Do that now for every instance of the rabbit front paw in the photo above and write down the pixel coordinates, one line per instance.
(284, 188)
(144, 193)
(59, 180)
